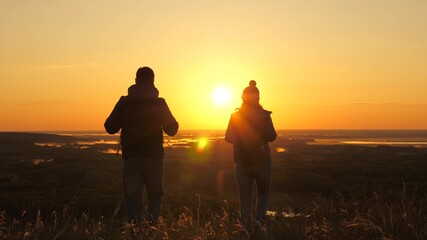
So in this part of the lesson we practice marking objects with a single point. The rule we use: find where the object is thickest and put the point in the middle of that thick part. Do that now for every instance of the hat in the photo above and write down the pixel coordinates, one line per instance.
(251, 93)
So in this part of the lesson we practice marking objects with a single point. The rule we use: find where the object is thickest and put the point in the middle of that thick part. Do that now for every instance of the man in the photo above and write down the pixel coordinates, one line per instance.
(142, 117)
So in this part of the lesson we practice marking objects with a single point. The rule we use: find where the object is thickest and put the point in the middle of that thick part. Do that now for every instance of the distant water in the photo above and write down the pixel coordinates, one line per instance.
(414, 138)
(185, 138)
(354, 134)
(90, 139)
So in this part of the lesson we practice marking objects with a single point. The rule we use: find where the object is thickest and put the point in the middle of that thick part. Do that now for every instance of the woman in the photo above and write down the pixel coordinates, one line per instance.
(249, 130)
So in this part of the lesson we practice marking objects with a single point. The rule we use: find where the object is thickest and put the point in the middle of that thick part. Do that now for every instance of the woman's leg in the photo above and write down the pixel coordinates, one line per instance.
(244, 183)
(263, 181)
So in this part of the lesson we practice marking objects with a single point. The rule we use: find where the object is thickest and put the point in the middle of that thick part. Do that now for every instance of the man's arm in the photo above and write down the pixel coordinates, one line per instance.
(114, 122)
(169, 124)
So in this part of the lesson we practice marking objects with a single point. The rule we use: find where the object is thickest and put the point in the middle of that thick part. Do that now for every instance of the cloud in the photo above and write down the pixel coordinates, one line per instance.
(39, 103)
(401, 104)
(69, 66)
(387, 104)
(359, 103)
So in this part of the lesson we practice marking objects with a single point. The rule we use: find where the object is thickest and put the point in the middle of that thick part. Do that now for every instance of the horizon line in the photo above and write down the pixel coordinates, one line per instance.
(292, 129)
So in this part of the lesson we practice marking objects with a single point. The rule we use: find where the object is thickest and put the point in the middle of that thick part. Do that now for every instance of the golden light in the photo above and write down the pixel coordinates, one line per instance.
(280, 150)
(201, 144)
(221, 96)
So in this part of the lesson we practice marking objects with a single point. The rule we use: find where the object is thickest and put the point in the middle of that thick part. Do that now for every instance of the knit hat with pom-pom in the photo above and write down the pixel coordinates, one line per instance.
(251, 93)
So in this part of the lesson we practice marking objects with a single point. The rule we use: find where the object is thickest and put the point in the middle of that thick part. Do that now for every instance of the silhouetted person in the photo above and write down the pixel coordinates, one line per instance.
(142, 117)
(249, 130)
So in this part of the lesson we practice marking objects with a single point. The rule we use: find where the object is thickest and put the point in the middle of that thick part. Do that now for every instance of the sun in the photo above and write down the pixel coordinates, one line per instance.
(221, 96)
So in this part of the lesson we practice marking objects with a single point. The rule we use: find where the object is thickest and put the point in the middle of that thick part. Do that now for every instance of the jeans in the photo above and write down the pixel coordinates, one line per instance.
(137, 173)
(246, 175)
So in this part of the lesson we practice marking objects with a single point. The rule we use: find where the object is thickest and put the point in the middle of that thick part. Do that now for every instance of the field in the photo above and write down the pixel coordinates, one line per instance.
(53, 187)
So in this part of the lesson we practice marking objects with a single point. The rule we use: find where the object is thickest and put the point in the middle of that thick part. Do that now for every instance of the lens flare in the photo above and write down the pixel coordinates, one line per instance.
(201, 144)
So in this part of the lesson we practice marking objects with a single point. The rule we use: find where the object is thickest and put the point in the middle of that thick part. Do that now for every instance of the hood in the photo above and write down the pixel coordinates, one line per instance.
(143, 91)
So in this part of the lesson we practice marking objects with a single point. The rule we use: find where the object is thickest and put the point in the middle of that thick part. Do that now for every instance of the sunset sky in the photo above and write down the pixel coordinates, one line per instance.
(329, 64)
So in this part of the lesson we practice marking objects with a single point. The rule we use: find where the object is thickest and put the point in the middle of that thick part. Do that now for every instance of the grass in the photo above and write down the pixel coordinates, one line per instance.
(380, 215)
(35, 199)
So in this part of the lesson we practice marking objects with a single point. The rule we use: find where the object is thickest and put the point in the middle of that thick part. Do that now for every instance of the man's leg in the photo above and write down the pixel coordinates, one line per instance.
(133, 188)
(153, 175)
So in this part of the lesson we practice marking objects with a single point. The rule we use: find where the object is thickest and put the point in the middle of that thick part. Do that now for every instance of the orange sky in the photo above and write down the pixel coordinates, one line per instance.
(319, 64)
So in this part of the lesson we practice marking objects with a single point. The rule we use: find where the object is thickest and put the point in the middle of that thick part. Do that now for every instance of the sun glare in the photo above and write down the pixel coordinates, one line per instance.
(221, 96)
(201, 144)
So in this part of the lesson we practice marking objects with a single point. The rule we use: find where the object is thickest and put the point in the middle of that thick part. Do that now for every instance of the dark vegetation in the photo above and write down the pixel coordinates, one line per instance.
(341, 191)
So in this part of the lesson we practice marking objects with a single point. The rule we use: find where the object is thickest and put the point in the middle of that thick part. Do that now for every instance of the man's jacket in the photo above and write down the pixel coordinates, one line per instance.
(142, 118)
